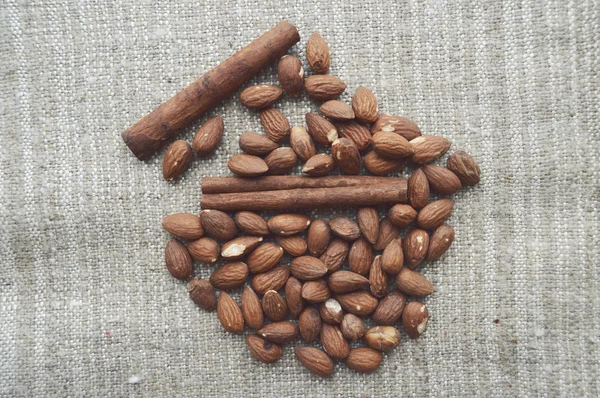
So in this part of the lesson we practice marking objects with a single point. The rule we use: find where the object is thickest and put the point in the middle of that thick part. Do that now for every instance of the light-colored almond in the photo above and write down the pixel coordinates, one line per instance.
(360, 303)
(275, 124)
(387, 233)
(281, 161)
(264, 257)
(382, 338)
(291, 75)
(319, 165)
(391, 145)
(435, 213)
(418, 189)
(293, 297)
(203, 294)
(273, 279)
(427, 148)
(251, 223)
(318, 237)
(321, 129)
(440, 241)
(324, 87)
(315, 291)
(414, 319)
(415, 247)
(413, 284)
(218, 225)
(177, 159)
(360, 257)
(377, 278)
(357, 133)
(396, 124)
(307, 268)
(208, 137)
(288, 224)
(183, 225)
(178, 260)
(240, 247)
(368, 222)
(229, 314)
(293, 245)
(244, 165)
(364, 104)
(364, 359)
(256, 144)
(309, 324)
(260, 96)
(333, 342)
(279, 332)
(315, 360)
(317, 54)
(465, 167)
(441, 180)
(390, 308)
(252, 309)
(274, 306)
(337, 110)
(302, 143)
(335, 254)
(331, 312)
(229, 276)
(402, 215)
(346, 282)
(381, 166)
(344, 228)
(263, 350)
(205, 250)
(353, 328)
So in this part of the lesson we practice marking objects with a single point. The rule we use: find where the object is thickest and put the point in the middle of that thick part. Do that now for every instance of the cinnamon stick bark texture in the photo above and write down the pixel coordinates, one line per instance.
(308, 198)
(156, 129)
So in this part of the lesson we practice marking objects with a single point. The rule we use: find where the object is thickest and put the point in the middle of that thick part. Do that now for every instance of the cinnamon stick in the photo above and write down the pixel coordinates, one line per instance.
(156, 129)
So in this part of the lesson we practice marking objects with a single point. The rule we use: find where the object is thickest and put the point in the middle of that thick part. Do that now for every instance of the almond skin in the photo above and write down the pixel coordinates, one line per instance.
(309, 324)
(442, 180)
(346, 156)
(331, 312)
(293, 297)
(264, 257)
(307, 268)
(279, 332)
(229, 314)
(390, 309)
(252, 309)
(208, 137)
(396, 124)
(346, 282)
(364, 359)
(391, 145)
(317, 54)
(381, 166)
(321, 129)
(319, 165)
(382, 338)
(359, 303)
(337, 110)
(415, 247)
(427, 148)
(203, 294)
(324, 88)
(402, 215)
(274, 306)
(205, 250)
(291, 75)
(418, 189)
(178, 259)
(335, 254)
(414, 319)
(273, 279)
(392, 258)
(364, 105)
(302, 143)
(333, 342)
(368, 222)
(288, 224)
(413, 284)
(281, 161)
(315, 360)
(465, 167)
(251, 223)
(218, 225)
(260, 96)
(352, 327)
(263, 350)
(229, 276)
(177, 160)
(344, 228)
(183, 225)
(315, 291)
(440, 241)
(244, 165)
(377, 278)
(318, 237)
(256, 144)
(357, 133)
(435, 213)
(293, 245)
(275, 124)
(359, 258)
(240, 247)
(387, 233)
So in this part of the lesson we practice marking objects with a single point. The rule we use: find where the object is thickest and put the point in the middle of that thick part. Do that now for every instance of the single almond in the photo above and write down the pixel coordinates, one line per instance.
(435, 213)
(315, 291)
(396, 124)
(360, 303)
(263, 350)
(315, 360)
(307, 268)
(333, 342)
(183, 225)
(415, 247)
(205, 250)
(291, 74)
(309, 324)
(353, 328)
(377, 278)
(335, 254)
(288, 224)
(256, 144)
(465, 167)
(360, 256)
(260, 96)
(244, 165)
(281, 161)
(208, 137)
(337, 110)
(344, 228)
(391, 145)
(357, 133)
(441, 180)
(427, 148)
(177, 159)
(273, 279)
(319, 165)
(382, 338)
(331, 312)
(381, 166)
(414, 319)
(364, 359)
(293, 245)
(240, 247)
(279, 332)
(387, 233)
(274, 306)
(321, 129)
(413, 284)
(324, 87)
(346, 156)
(229, 314)
(390, 308)
(178, 259)
(218, 225)
(402, 215)
(293, 297)
(229, 276)
(368, 222)
(418, 189)
(440, 241)
(346, 282)
(318, 237)
(275, 124)
(264, 257)
(203, 294)
(251, 223)
(252, 309)
(302, 143)
(317, 53)
(364, 104)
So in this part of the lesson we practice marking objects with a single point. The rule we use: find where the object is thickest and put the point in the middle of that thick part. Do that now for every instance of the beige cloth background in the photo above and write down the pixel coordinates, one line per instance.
(86, 304)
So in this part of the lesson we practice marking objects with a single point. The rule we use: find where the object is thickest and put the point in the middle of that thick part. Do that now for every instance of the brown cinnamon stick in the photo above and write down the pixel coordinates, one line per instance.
(156, 129)
(212, 185)
(309, 198)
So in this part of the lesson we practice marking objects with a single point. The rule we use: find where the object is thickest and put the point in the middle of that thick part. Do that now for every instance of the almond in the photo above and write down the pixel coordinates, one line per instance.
(229, 314)
(274, 306)
(183, 225)
(256, 144)
(465, 167)
(427, 148)
(382, 338)
(293, 245)
(264, 257)
(418, 189)
(346, 282)
(346, 156)
(402, 215)
(414, 319)
(368, 222)
(177, 159)
(396, 124)
(381, 166)
(252, 309)
(435, 213)
(276, 126)
(357, 133)
(392, 258)
(344, 228)
(318, 237)
(293, 297)
(333, 342)
(337, 110)
(390, 308)
(359, 303)
(279, 332)
(178, 259)
(208, 137)
(281, 161)
(321, 129)
(324, 88)
(440, 241)
(251, 223)
(288, 224)
(335, 254)
(317, 53)
(291, 75)
(302, 143)
(260, 96)
(240, 247)
(218, 225)
(229, 276)
(319, 165)
(205, 250)
(263, 350)
(377, 278)
(309, 324)
(307, 268)
(391, 145)
(364, 359)
(315, 360)
(203, 294)
(352, 327)
(273, 279)
(331, 312)
(415, 247)
(244, 165)
(387, 233)
(315, 291)
(413, 284)
(442, 180)
(364, 104)
(360, 257)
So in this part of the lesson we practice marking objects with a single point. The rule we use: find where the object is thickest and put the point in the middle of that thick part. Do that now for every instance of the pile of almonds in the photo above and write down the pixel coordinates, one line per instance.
(340, 271)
